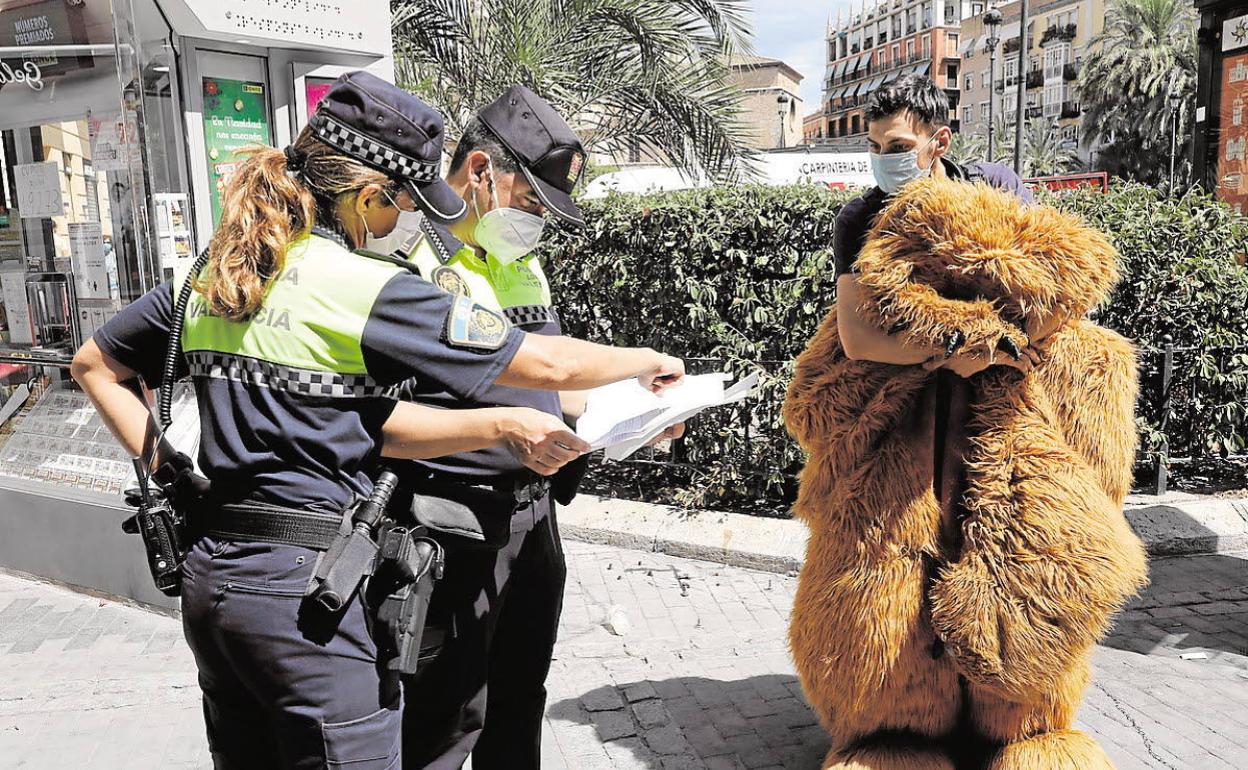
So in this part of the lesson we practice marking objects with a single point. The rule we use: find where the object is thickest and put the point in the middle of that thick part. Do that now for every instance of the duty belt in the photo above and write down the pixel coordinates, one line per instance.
(525, 488)
(271, 524)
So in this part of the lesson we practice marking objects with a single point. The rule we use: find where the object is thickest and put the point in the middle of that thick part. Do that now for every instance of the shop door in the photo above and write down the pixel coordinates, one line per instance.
(232, 99)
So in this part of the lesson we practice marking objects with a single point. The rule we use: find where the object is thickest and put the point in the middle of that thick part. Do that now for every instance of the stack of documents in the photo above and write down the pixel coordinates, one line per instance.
(623, 417)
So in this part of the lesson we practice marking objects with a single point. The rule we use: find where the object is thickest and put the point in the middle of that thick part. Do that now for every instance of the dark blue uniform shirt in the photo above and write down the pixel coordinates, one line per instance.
(289, 449)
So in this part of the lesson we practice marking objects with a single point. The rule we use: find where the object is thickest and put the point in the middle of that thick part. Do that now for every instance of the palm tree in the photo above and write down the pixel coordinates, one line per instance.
(643, 75)
(1043, 154)
(1146, 53)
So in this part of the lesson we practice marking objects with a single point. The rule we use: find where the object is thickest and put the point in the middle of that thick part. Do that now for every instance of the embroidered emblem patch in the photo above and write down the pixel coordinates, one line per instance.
(451, 282)
(471, 326)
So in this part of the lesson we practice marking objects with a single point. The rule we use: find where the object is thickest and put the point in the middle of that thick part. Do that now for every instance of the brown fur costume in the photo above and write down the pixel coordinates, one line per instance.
(924, 626)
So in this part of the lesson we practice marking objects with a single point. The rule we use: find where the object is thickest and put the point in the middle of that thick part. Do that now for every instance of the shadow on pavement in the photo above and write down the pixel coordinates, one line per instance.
(762, 721)
(1192, 605)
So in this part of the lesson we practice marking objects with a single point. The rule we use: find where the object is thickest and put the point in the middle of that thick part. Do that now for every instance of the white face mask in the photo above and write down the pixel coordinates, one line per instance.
(506, 234)
(400, 241)
(896, 170)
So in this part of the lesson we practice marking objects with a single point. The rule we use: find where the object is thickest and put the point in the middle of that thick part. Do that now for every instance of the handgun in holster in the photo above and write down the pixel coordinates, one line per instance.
(397, 559)
(408, 565)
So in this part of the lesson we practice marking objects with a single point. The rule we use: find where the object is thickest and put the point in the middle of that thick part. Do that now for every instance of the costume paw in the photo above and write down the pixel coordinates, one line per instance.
(1059, 750)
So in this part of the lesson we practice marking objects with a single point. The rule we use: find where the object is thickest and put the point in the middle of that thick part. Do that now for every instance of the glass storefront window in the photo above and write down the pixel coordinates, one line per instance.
(93, 190)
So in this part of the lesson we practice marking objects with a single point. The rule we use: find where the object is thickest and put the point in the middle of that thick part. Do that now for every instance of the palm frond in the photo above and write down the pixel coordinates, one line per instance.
(646, 73)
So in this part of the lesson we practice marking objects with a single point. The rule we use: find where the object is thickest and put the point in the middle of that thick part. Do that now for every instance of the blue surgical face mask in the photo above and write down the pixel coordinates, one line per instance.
(896, 170)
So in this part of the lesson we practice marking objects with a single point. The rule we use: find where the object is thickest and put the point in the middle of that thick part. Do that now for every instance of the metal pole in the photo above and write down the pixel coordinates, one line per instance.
(1019, 117)
(1174, 140)
(1163, 452)
(782, 131)
(992, 99)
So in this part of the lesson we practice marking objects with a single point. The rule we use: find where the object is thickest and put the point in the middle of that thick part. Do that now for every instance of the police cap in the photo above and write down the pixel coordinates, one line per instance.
(548, 150)
(385, 127)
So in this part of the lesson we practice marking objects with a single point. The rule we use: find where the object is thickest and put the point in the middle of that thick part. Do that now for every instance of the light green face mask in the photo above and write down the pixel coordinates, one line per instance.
(506, 234)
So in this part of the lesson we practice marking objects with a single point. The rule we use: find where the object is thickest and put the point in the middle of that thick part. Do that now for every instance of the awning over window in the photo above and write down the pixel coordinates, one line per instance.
(968, 45)
(922, 68)
(839, 69)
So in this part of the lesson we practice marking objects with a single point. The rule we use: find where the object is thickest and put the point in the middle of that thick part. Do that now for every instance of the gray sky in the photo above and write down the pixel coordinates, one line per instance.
(792, 30)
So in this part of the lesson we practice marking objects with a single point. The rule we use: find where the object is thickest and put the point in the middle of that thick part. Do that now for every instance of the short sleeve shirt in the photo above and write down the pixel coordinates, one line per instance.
(856, 217)
(288, 448)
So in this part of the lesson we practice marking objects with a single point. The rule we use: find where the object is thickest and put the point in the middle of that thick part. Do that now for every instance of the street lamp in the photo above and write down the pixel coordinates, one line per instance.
(1176, 101)
(992, 20)
(782, 107)
(1021, 117)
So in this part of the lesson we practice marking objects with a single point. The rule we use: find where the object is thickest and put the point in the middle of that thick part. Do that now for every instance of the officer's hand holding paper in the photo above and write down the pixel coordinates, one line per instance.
(625, 416)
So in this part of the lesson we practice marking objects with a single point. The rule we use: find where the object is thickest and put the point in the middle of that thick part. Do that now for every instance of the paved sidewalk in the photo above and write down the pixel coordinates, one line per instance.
(697, 676)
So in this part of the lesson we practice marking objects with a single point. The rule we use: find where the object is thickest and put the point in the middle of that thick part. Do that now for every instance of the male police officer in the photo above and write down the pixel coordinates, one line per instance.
(484, 694)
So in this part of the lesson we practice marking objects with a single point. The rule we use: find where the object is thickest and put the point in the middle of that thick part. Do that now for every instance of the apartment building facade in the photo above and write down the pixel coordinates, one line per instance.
(1057, 39)
(877, 45)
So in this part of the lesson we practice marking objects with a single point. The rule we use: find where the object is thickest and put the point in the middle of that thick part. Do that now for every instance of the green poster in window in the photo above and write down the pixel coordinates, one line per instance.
(236, 115)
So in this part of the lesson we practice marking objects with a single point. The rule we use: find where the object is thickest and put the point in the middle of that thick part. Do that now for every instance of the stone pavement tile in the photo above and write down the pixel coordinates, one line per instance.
(614, 725)
(667, 740)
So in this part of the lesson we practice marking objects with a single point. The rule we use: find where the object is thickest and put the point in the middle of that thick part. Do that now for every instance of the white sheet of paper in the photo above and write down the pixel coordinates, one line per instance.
(623, 417)
(39, 190)
(86, 248)
(16, 307)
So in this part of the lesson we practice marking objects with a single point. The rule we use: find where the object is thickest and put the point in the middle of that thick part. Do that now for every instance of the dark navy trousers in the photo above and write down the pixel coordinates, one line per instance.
(484, 695)
(285, 683)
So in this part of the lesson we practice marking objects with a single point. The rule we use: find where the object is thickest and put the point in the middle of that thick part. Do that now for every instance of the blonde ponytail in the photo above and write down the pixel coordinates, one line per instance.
(266, 206)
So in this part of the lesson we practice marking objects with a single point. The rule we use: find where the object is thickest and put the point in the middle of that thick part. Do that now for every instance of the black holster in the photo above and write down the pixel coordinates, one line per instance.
(409, 564)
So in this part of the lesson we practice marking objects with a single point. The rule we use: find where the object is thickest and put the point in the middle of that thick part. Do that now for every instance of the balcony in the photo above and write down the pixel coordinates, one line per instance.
(1070, 71)
(1035, 79)
(910, 30)
(1071, 110)
(1064, 34)
(1034, 112)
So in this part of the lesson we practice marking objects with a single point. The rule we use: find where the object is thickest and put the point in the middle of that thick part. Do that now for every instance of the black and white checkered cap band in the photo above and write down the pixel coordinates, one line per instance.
(527, 315)
(264, 374)
(374, 153)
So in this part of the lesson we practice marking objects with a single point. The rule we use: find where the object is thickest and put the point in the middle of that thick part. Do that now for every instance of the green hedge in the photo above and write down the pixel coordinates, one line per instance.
(744, 275)
(1184, 280)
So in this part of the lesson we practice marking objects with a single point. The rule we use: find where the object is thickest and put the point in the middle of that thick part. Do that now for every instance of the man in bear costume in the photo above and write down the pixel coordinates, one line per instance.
(967, 467)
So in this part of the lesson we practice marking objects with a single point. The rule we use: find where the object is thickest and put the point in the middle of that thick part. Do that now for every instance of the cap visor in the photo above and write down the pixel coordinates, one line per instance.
(556, 200)
(438, 201)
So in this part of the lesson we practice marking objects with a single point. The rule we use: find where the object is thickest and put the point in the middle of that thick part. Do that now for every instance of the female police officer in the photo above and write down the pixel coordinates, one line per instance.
(292, 341)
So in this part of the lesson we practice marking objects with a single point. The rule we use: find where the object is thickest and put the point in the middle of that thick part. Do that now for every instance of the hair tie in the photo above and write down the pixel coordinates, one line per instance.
(294, 159)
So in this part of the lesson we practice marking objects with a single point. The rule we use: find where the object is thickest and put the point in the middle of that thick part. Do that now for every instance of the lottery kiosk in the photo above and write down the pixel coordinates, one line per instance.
(119, 121)
(1220, 146)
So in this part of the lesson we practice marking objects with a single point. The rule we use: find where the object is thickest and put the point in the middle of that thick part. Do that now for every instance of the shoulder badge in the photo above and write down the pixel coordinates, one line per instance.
(449, 281)
(471, 326)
